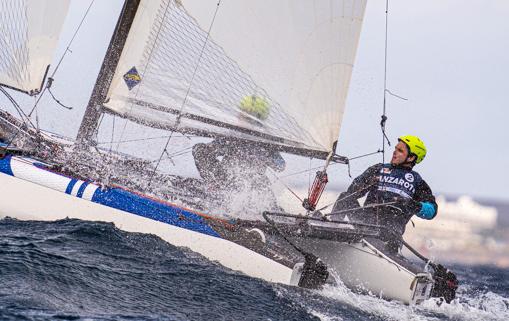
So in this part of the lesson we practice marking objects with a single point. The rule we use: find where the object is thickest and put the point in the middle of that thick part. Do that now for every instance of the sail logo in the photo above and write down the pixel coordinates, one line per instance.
(132, 78)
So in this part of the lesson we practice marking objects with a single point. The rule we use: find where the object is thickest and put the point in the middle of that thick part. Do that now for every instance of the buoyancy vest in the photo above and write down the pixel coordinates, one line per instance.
(393, 183)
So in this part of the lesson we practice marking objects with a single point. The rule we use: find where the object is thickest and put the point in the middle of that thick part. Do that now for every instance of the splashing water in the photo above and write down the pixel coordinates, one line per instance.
(73, 269)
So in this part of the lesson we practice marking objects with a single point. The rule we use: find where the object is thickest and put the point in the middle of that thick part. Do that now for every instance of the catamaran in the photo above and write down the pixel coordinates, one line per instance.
(187, 66)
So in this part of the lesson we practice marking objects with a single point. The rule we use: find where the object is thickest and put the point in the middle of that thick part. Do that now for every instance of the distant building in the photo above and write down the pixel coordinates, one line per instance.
(464, 231)
(463, 215)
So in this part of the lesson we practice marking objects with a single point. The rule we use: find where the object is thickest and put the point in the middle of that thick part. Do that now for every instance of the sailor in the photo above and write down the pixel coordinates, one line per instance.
(230, 167)
(395, 193)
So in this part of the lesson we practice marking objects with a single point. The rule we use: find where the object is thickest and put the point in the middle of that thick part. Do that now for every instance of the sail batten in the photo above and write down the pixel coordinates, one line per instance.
(200, 126)
(29, 31)
(279, 68)
(171, 124)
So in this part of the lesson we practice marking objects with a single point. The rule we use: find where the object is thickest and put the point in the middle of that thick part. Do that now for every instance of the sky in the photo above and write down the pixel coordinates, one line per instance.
(449, 59)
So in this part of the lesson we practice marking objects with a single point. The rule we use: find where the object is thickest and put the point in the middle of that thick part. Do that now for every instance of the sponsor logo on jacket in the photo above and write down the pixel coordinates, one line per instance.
(398, 181)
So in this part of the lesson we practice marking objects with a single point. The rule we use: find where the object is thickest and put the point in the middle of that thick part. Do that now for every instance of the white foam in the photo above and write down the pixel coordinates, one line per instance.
(371, 304)
(324, 317)
(485, 306)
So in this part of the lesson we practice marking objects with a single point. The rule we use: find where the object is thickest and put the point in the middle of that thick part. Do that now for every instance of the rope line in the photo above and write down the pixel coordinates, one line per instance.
(52, 77)
(179, 116)
(67, 49)
(176, 154)
(287, 187)
(384, 117)
(319, 167)
(148, 61)
(21, 113)
(393, 94)
(58, 101)
(24, 117)
(50, 81)
(112, 132)
(365, 155)
(140, 139)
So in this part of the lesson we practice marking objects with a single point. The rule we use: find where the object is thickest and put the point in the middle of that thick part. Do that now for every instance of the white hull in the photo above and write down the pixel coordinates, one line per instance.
(37, 194)
(24, 200)
(363, 267)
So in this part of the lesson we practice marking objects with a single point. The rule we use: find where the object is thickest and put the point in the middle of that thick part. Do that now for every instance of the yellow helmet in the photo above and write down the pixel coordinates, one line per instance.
(415, 147)
(255, 106)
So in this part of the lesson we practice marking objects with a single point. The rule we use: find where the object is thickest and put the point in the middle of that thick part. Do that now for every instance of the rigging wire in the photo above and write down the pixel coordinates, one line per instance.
(21, 113)
(384, 107)
(67, 49)
(143, 139)
(285, 185)
(52, 77)
(176, 154)
(149, 59)
(365, 155)
(37, 118)
(393, 94)
(309, 170)
(318, 167)
(54, 98)
(384, 117)
(48, 85)
(179, 116)
(386, 91)
(112, 132)
(181, 152)
(309, 175)
(24, 117)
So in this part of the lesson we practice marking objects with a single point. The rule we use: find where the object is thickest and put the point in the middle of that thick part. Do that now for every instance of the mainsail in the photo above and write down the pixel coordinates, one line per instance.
(194, 65)
(29, 31)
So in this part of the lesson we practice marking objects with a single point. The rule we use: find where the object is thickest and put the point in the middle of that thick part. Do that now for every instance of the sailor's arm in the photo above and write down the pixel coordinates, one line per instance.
(428, 207)
(276, 162)
(359, 187)
(220, 147)
(363, 182)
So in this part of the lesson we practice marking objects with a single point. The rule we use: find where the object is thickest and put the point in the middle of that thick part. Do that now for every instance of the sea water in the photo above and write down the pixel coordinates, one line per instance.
(79, 270)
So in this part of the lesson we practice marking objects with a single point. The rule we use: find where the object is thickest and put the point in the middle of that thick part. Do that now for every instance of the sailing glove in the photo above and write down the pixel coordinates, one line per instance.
(425, 210)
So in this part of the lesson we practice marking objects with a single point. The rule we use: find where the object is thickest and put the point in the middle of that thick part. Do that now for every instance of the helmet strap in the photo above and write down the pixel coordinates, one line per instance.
(410, 163)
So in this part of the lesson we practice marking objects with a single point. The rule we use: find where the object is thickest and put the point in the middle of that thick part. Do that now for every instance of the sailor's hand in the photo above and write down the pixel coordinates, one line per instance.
(407, 205)
(277, 163)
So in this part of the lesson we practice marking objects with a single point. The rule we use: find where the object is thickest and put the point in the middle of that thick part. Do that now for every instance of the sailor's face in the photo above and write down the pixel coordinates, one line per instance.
(400, 154)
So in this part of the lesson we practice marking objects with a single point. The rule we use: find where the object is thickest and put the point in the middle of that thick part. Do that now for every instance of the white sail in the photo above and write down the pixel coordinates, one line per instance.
(275, 69)
(29, 31)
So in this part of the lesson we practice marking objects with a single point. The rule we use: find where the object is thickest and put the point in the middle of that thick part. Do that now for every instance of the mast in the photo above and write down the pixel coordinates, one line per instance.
(94, 109)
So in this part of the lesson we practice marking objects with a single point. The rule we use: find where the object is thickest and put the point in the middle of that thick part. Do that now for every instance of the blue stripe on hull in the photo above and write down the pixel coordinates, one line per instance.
(129, 202)
(81, 190)
(132, 203)
(5, 165)
(68, 190)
